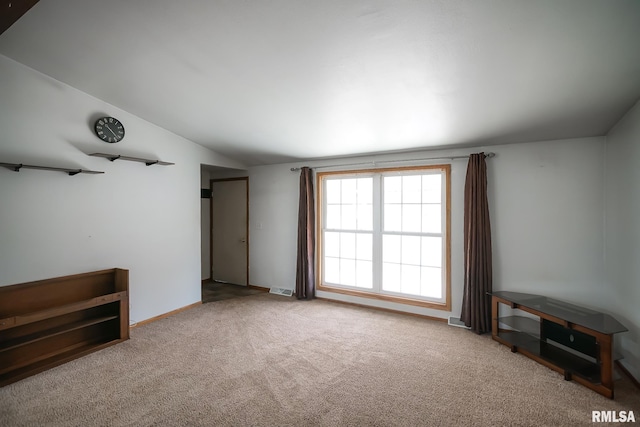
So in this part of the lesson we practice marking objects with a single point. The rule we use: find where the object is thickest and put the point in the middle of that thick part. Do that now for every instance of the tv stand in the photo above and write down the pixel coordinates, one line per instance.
(572, 340)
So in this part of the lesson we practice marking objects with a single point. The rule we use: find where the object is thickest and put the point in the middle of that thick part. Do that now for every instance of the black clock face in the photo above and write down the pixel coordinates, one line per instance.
(109, 129)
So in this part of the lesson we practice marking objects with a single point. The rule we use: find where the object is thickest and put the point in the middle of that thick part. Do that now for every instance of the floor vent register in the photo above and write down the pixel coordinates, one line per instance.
(281, 291)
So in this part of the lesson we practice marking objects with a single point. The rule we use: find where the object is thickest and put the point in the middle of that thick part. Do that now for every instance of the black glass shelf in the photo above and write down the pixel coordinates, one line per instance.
(16, 167)
(531, 327)
(590, 319)
(114, 157)
(565, 360)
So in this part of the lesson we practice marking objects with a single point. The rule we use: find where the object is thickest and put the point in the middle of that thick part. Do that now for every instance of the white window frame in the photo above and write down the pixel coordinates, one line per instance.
(443, 303)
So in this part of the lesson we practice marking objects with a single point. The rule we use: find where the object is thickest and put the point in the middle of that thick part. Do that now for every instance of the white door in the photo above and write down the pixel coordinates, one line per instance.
(229, 226)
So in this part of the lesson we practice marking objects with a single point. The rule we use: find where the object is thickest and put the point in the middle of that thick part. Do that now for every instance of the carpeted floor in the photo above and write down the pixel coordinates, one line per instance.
(267, 360)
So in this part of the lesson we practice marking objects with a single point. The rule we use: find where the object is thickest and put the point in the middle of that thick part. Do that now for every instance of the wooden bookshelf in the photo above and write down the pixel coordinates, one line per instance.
(49, 322)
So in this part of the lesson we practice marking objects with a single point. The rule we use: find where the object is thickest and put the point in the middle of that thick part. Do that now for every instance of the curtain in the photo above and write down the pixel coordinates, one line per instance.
(305, 270)
(476, 304)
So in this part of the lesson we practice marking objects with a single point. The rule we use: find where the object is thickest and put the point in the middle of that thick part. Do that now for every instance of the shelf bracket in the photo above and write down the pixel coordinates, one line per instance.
(153, 162)
(75, 172)
(17, 167)
(114, 158)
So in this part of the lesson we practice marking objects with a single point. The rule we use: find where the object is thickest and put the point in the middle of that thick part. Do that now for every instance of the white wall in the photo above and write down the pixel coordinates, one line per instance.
(273, 226)
(145, 219)
(622, 217)
(546, 213)
(546, 204)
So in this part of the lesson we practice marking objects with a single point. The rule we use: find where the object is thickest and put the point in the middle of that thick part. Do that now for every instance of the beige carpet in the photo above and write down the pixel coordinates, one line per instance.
(267, 360)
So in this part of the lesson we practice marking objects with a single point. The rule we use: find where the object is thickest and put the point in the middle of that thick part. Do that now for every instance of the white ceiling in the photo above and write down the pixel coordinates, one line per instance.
(269, 81)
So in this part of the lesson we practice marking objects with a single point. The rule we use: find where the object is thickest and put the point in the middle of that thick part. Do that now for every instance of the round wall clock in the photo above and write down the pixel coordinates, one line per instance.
(109, 129)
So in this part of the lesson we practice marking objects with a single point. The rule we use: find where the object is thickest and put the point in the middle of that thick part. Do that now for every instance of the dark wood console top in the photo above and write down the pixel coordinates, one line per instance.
(577, 315)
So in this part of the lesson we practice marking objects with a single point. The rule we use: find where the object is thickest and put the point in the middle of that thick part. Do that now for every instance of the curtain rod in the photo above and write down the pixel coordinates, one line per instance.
(374, 163)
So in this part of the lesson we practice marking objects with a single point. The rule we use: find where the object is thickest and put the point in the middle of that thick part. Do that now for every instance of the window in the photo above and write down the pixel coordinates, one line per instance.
(385, 234)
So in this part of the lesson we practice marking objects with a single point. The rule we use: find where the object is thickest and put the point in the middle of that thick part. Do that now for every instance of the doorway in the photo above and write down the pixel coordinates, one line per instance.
(229, 251)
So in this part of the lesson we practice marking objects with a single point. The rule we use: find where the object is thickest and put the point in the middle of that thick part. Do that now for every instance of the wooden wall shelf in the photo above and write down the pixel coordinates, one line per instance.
(114, 157)
(49, 322)
(17, 166)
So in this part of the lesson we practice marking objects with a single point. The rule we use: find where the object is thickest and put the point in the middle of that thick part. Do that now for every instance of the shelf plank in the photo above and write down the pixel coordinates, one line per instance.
(148, 162)
(16, 167)
(23, 319)
(42, 363)
(552, 354)
(43, 357)
(40, 335)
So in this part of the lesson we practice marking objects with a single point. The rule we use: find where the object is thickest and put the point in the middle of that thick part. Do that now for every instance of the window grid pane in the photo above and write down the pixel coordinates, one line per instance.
(392, 217)
(411, 189)
(349, 204)
(432, 218)
(364, 274)
(411, 218)
(411, 264)
(413, 203)
(348, 258)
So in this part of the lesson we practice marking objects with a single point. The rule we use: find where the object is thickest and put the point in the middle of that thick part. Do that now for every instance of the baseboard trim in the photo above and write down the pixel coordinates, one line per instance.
(625, 371)
(162, 316)
(258, 288)
(206, 280)
(389, 310)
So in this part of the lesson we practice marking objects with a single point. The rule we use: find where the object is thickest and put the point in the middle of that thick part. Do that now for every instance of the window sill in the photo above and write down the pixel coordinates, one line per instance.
(399, 300)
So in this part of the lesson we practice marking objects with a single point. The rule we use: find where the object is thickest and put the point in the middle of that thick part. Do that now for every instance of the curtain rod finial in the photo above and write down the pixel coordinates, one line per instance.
(490, 155)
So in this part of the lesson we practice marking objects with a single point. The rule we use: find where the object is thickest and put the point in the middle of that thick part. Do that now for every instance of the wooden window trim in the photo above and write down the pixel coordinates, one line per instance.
(446, 306)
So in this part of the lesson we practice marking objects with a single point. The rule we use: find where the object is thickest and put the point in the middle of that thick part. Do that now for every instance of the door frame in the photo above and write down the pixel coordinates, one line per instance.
(243, 178)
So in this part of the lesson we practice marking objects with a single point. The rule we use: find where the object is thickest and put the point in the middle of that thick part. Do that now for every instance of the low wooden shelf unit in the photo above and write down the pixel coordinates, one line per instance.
(49, 322)
(572, 340)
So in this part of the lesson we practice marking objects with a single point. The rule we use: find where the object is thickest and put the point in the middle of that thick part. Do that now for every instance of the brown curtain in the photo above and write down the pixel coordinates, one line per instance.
(476, 304)
(305, 270)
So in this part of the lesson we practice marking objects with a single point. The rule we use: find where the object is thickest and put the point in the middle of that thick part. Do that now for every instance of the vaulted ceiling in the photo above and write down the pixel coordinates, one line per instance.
(269, 81)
